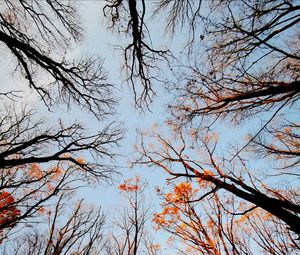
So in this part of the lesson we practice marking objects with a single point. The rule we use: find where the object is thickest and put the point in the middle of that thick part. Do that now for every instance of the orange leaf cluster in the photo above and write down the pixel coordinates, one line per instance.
(175, 203)
(170, 210)
(167, 217)
(130, 185)
(56, 173)
(41, 210)
(182, 192)
(156, 246)
(8, 210)
(159, 220)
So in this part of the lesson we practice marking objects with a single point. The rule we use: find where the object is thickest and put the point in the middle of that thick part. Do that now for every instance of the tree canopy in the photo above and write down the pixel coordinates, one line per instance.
(234, 72)
(239, 66)
(42, 164)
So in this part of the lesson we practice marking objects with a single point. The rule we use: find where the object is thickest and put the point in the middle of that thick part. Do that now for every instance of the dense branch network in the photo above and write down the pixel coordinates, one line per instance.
(81, 232)
(140, 58)
(174, 160)
(37, 55)
(42, 164)
(249, 65)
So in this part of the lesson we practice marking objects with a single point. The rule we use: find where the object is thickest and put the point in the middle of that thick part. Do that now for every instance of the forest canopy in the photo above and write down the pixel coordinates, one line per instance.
(228, 142)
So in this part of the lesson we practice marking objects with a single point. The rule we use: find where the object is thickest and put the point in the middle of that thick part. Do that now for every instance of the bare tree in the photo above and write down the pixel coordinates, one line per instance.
(140, 57)
(37, 35)
(41, 161)
(25, 139)
(130, 235)
(243, 56)
(80, 233)
(249, 64)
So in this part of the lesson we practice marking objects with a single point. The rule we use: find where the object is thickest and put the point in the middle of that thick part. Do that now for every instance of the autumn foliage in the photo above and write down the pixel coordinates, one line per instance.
(130, 185)
(217, 227)
(173, 203)
(231, 148)
(9, 213)
(8, 209)
(34, 186)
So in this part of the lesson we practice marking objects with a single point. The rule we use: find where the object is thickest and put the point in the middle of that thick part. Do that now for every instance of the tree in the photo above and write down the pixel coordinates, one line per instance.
(225, 192)
(8, 211)
(128, 17)
(41, 161)
(238, 39)
(80, 233)
(37, 35)
(242, 65)
(130, 229)
(215, 227)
